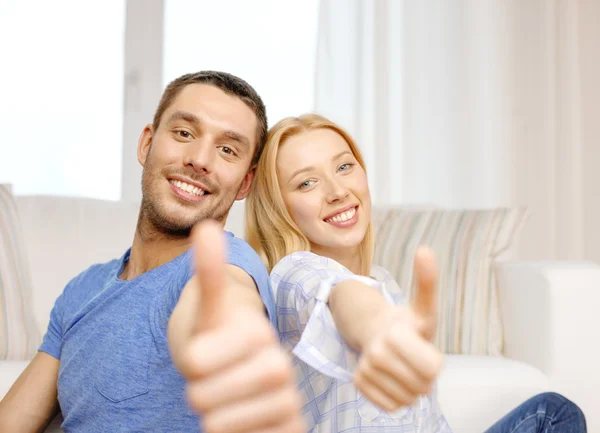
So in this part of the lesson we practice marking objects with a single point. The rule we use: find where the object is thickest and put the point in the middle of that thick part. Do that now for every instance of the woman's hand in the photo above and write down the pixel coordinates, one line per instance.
(398, 362)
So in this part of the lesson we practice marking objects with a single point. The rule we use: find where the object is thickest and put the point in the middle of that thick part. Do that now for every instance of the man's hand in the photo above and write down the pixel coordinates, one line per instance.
(239, 377)
(398, 361)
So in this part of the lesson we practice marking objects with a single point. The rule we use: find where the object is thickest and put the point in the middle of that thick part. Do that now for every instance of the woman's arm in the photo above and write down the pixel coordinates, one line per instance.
(355, 307)
(398, 362)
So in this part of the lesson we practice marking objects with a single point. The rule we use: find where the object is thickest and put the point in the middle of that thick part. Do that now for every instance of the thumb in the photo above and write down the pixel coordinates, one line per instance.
(209, 261)
(424, 303)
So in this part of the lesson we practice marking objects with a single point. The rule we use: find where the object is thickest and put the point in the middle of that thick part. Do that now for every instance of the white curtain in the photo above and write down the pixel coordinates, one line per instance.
(475, 103)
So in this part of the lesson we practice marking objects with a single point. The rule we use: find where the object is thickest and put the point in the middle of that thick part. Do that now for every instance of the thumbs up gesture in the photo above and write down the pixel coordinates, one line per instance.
(398, 362)
(239, 378)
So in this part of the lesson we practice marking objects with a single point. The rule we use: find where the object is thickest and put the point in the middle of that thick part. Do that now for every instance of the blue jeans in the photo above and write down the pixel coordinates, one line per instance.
(544, 413)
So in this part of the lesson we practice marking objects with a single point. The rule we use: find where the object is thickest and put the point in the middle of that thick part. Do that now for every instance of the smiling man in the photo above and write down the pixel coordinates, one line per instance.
(121, 332)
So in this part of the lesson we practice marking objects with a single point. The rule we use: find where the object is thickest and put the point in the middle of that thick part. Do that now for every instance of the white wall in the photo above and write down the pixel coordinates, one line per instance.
(589, 34)
(143, 83)
(61, 97)
(475, 104)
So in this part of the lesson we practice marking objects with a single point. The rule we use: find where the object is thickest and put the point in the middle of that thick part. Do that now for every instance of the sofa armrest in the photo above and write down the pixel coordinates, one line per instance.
(551, 316)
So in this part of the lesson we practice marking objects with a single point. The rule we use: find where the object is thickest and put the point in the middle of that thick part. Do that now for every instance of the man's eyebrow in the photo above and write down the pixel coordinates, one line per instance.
(242, 139)
(186, 116)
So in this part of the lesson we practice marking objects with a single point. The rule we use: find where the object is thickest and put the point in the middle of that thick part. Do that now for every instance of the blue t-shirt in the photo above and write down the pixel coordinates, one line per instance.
(110, 335)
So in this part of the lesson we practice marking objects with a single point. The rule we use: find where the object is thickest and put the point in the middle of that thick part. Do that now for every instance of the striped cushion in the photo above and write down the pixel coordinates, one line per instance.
(19, 336)
(466, 243)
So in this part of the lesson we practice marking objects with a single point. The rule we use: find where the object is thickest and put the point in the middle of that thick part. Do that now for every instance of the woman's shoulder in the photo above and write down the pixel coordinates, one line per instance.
(307, 259)
(300, 265)
(381, 274)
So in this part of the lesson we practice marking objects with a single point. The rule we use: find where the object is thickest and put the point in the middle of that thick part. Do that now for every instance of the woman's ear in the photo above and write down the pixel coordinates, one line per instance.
(144, 144)
(246, 184)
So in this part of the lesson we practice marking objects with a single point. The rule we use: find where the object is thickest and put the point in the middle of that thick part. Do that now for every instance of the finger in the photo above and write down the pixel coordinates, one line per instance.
(217, 350)
(395, 391)
(209, 261)
(373, 393)
(268, 370)
(397, 378)
(295, 425)
(426, 272)
(268, 410)
(417, 353)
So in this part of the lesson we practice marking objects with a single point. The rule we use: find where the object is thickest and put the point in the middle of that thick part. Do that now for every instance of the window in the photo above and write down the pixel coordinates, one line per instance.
(269, 43)
(61, 87)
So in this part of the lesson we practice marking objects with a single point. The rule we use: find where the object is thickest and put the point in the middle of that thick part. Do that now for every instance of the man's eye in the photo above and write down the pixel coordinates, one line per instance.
(227, 150)
(184, 134)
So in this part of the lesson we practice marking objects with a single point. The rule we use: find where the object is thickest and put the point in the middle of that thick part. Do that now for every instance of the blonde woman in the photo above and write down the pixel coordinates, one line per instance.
(363, 363)
(363, 357)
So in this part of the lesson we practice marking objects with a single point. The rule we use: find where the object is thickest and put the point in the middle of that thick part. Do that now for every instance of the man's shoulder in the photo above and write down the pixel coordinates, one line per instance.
(240, 252)
(93, 275)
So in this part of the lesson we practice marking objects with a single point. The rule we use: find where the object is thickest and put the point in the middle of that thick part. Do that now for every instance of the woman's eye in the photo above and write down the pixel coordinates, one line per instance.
(184, 134)
(345, 167)
(227, 150)
(306, 184)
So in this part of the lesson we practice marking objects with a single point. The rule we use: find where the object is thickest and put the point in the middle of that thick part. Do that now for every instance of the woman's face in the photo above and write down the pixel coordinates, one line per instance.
(325, 190)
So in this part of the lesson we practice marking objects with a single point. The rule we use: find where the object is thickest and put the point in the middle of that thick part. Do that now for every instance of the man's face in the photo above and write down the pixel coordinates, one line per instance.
(198, 161)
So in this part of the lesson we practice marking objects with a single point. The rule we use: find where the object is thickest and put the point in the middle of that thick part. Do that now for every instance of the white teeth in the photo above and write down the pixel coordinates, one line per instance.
(187, 187)
(344, 216)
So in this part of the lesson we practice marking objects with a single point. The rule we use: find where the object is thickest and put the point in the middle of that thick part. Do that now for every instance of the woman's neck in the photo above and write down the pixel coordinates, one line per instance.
(347, 257)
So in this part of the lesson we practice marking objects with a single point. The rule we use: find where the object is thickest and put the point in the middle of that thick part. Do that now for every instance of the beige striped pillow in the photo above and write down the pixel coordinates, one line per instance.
(466, 243)
(19, 335)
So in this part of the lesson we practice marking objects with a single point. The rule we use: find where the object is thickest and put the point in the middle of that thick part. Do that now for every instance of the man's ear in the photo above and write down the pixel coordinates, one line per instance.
(246, 184)
(144, 144)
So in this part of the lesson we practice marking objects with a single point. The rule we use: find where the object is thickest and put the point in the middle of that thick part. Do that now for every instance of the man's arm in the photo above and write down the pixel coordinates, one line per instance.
(31, 403)
(239, 377)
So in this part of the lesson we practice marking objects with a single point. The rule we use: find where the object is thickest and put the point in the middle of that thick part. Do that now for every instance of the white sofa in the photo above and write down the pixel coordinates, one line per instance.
(550, 312)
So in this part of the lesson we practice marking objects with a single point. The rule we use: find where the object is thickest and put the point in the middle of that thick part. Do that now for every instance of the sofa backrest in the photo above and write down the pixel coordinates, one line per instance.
(65, 235)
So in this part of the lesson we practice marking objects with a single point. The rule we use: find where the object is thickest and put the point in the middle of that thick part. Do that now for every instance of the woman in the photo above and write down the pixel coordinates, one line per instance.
(364, 359)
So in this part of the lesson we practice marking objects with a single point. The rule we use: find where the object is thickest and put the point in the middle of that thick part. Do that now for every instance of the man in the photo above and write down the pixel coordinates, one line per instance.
(119, 329)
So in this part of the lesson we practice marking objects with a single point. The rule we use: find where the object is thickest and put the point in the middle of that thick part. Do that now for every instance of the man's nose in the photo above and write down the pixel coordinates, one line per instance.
(201, 156)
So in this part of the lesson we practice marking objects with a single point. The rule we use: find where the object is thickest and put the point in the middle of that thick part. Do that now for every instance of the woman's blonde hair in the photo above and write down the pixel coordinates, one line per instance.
(270, 229)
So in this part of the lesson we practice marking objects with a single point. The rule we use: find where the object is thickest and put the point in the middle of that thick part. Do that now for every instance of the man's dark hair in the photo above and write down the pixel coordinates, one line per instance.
(229, 84)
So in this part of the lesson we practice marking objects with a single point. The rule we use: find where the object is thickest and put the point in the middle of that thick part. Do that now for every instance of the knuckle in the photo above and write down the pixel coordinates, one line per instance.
(197, 399)
(298, 427)
(379, 355)
(425, 389)
(191, 364)
(433, 365)
(391, 337)
(275, 367)
(289, 403)
(295, 425)
(409, 400)
(258, 334)
(365, 372)
(210, 425)
(359, 379)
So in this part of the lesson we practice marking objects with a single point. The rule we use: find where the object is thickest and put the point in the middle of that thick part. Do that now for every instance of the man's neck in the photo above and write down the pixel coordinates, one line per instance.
(152, 249)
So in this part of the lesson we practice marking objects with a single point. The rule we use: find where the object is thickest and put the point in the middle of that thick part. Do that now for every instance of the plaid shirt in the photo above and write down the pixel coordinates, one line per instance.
(324, 363)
